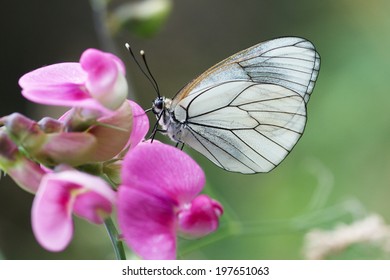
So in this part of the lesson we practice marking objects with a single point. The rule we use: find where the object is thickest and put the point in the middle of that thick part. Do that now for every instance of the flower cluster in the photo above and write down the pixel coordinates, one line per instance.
(94, 159)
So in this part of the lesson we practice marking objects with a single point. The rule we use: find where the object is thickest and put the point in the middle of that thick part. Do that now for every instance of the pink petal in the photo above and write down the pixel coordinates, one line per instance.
(57, 84)
(54, 202)
(112, 139)
(92, 207)
(102, 71)
(61, 84)
(163, 169)
(51, 216)
(199, 218)
(105, 81)
(52, 75)
(88, 182)
(147, 223)
(140, 125)
(63, 95)
(119, 63)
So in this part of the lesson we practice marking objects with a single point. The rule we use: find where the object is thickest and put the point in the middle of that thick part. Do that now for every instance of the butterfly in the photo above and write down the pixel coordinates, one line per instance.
(247, 112)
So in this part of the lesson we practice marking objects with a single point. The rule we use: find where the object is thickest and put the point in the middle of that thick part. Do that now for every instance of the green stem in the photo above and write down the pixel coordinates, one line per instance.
(99, 9)
(116, 243)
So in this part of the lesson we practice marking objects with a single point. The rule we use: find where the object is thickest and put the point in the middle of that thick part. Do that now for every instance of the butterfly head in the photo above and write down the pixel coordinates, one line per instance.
(158, 105)
(161, 104)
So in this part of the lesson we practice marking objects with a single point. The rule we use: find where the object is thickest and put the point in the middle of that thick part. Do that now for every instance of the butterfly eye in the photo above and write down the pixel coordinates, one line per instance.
(158, 105)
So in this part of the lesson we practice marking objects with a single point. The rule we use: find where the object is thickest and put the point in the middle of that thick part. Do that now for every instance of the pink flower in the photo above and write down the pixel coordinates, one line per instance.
(97, 82)
(61, 194)
(111, 132)
(158, 199)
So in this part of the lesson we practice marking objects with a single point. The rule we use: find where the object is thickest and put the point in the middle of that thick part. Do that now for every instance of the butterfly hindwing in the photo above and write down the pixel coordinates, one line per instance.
(251, 130)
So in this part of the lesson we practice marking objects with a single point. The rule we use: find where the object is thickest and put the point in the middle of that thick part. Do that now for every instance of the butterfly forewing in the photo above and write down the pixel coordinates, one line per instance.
(247, 112)
(280, 61)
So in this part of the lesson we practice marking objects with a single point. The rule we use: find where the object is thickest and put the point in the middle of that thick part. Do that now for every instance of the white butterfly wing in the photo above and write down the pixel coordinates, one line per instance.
(290, 62)
(247, 112)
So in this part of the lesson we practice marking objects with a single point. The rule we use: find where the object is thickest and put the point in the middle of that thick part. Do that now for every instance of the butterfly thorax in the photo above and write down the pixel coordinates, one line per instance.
(166, 118)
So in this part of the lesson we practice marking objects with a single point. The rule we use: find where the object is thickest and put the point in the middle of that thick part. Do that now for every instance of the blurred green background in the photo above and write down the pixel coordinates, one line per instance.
(338, 173)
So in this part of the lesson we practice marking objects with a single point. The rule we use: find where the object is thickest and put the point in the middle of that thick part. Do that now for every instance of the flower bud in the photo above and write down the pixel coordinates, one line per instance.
(73, 148)
(23, 131)
(50, 125)
(26, 173)
(113, 171)
(8, 149)
(50, 149)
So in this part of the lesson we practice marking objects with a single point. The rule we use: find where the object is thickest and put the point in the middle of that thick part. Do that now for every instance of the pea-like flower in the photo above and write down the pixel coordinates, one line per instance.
(62, 194)
(158, 199)
(96, 82)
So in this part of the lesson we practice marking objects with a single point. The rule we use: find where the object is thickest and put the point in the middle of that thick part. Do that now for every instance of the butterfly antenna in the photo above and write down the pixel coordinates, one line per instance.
(143, 55)
(147, 73)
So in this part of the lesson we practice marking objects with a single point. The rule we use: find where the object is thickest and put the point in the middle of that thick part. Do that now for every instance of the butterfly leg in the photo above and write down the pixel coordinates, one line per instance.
(155, 129)
(153, 134)
(182, 145)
